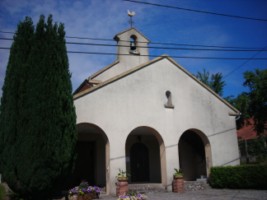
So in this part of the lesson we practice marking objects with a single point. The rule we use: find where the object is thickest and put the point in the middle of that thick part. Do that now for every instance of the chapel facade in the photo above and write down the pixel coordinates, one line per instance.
(148, 117)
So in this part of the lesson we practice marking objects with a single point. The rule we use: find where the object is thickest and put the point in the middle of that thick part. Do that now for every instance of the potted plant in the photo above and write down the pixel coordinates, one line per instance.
(122, 175)
(122, 184)
(84, 192)
(178, 181)
(177, 173)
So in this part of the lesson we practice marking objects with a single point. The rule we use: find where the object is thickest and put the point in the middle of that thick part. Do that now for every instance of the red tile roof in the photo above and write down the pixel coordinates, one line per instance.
(247, 132)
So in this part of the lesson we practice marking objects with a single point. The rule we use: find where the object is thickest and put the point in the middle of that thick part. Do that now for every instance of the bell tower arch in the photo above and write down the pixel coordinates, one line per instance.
(132, 48)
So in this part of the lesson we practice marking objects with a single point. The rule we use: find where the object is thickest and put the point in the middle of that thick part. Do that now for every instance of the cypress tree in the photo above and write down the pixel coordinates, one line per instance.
(48, 133)
(12, 97)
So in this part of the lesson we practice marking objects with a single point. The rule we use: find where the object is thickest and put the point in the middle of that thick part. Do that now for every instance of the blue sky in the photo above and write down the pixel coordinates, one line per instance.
(106, 18)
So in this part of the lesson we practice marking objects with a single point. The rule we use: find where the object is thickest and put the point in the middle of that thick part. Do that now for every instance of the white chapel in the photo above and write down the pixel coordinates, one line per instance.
(148, 117)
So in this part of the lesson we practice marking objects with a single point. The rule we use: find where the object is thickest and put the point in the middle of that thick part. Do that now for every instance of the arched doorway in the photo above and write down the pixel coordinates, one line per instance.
(92, 151)
(194, 155)
(145, 156)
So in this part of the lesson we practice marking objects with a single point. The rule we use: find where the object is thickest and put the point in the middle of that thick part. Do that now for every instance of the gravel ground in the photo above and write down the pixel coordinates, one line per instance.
(208, 194)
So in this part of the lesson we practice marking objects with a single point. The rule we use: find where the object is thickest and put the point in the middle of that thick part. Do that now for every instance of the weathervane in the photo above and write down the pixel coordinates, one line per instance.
(131, 14)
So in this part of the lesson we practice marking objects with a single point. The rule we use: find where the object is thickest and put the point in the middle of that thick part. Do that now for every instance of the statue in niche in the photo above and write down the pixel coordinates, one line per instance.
(169, 100)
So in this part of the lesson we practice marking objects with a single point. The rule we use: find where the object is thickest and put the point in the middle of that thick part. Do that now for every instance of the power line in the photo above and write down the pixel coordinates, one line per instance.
(9, 32)
(197, 11)
(168, 48)
(5, 48)
(159, 43)
(166, 43)
(172, 56)
(245, 62)
(201, 45)
(71, 37)
(161, 47)
(88, 38)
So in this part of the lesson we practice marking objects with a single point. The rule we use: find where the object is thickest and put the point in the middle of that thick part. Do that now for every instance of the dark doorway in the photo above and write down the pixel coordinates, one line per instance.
(139, 158)
(84, 165)
(192, 156)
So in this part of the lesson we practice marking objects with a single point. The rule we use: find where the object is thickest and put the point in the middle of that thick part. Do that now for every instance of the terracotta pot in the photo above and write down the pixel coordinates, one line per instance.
(122, 178)
(178, 184)
(122, 187)
(85, 197)
(94, 195)
(177, 177)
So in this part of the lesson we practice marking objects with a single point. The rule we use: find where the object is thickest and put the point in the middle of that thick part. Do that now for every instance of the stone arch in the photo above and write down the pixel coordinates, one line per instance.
(194, 154)
(92, 161)
(145, 149)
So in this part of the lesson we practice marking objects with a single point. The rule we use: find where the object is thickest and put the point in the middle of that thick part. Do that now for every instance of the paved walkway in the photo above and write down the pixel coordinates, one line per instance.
(207, 194)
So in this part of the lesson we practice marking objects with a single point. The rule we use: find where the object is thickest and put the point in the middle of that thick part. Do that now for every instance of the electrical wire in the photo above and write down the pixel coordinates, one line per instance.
(245, 62)
(172, 56)
(160, 47)
(158, 43)
(167, 48)
(197, 11)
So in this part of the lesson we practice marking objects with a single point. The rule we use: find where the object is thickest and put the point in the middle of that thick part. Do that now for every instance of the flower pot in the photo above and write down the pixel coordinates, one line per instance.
(94, 195)
(122, 178)
(80, 197)
(178, 177)
(85, 197)
(122, 187)
(178, 184)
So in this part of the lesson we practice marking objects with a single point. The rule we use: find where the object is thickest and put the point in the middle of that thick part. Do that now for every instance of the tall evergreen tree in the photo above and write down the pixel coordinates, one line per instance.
(12, 97)
(47, 136)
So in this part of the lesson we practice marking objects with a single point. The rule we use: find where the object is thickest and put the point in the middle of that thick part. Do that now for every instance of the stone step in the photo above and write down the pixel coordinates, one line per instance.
(146, 187)
(200, 184)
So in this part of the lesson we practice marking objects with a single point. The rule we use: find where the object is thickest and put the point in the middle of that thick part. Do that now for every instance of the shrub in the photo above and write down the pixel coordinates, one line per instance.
(2, 192)
(239, 177)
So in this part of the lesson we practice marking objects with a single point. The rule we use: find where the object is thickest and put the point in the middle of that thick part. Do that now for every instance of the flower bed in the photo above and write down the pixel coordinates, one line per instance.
(84, 192)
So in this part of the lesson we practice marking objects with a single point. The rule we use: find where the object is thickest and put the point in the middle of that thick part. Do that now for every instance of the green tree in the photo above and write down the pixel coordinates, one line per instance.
(253, 104)
(241, 102)
(46, 128)
(13, 93)
(257, 83)
(215, 81)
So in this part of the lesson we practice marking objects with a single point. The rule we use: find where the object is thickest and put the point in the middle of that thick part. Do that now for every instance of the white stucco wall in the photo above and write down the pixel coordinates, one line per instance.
(138, 100)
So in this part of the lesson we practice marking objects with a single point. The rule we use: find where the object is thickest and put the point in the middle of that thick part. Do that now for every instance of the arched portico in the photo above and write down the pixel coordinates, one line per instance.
(92, 160)
(145, 156)
(194, 154)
